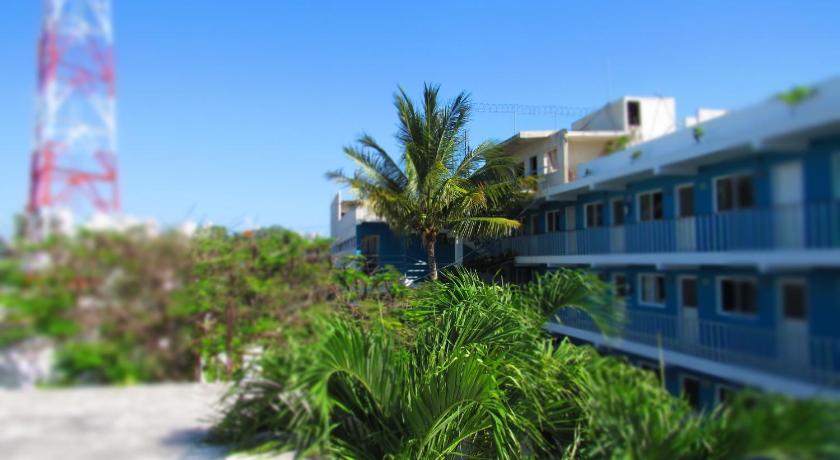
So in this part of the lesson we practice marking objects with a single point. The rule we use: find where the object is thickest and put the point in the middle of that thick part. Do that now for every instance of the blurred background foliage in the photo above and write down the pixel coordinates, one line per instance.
(133, 307)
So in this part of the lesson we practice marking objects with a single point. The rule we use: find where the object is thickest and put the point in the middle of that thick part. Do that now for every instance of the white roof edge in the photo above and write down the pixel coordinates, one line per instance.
(752, 126)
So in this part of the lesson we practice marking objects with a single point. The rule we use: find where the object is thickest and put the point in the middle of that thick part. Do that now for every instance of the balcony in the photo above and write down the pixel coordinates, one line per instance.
(796, 226)
(785, 353)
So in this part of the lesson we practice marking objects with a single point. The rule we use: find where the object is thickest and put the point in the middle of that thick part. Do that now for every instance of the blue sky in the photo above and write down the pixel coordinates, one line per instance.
(231, 112)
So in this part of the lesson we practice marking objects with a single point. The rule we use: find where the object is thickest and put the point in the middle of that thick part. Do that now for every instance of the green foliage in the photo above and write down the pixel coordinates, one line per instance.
(437, 183)
(698, 133)
(125, 307)
(567, 288)
(478, 378)
(101, 362)
(796, 95)
(617, 144)
(636, 155)
(251, 290)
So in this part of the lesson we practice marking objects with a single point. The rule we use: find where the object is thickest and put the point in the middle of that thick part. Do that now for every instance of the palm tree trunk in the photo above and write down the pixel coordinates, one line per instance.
(429, 239)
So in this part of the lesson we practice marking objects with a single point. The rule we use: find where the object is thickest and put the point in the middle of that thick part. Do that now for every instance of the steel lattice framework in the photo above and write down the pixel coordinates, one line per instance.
(74, 161)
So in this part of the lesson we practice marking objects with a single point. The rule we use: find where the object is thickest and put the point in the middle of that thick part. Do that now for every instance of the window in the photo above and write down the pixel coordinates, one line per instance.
(835, 174)
(735, 192)
(594, 215)
(685, 201)
(691, 390)
(370, 245)
(552, 221)
(535, 224)
(737, 296)
(794, 300)
(650, 206)
(618, 211)
(724, 393)
(520, 169)
(620, 286)
(688, 292)
(552, 160)
(652, 289)
(533, 163)
(634, 113)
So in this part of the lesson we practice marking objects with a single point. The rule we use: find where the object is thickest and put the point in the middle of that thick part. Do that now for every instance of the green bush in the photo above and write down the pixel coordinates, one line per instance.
(477, 377)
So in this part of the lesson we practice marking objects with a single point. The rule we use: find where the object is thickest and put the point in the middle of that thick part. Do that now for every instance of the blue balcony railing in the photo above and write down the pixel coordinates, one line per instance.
(795, 226)
(784, 351)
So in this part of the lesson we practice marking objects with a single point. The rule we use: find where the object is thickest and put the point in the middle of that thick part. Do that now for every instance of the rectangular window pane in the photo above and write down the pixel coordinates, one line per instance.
(653, 289)
(534, 166)
(650, 206)
(660, 289)
(724, 194)
(621, 289)
(599, 215)
(686, 201)
(746, 196)
(691, 391)
(618, 212)
(793, 299)
(688, 292)
(727, 296)
(645, 208)
(634, 113)
(657, 206)
(748, 297)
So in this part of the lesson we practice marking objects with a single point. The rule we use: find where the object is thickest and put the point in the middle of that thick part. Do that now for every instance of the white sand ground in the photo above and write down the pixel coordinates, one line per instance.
(140, 422)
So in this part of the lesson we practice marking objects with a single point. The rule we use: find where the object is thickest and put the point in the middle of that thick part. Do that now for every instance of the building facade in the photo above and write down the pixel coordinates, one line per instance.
(722, 239)
(356, 231)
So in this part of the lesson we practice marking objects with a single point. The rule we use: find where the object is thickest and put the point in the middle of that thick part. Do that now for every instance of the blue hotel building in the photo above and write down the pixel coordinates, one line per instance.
(721, 238)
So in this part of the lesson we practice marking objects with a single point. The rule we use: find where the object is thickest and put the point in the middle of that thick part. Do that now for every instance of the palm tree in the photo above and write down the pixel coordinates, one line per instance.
(438, 184)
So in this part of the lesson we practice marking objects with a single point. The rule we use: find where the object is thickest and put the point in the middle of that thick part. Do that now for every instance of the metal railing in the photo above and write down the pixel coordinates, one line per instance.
(795, 226)
(790, 353)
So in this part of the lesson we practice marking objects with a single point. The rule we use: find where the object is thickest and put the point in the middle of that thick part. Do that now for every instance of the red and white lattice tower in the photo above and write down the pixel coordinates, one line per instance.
(74, 164)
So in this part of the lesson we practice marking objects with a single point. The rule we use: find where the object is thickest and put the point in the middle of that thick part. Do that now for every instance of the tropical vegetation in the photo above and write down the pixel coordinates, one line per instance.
(138, 307)
(464, 369)
(438, 184)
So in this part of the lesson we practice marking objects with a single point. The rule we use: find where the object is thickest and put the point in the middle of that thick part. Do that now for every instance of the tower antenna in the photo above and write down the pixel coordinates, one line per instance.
(74, 165)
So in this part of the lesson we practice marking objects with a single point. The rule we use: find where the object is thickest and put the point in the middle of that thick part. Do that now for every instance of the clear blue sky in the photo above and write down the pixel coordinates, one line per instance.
(232, 111)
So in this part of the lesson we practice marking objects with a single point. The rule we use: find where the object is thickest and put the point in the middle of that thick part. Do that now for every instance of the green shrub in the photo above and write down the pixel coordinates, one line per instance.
(478, 378)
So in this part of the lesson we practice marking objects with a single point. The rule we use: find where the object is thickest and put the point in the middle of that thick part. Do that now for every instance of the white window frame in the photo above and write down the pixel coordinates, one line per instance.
(552, 216)
(780, 284)
(734, 175)
(719, 295)
(680, 290)
(639, 204)
(718, 388)
(623, 211)
(677, 208)
(641, 290)
(586, 214)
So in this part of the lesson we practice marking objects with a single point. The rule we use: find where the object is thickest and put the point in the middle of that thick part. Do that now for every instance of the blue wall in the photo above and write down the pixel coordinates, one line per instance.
(405, 252)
